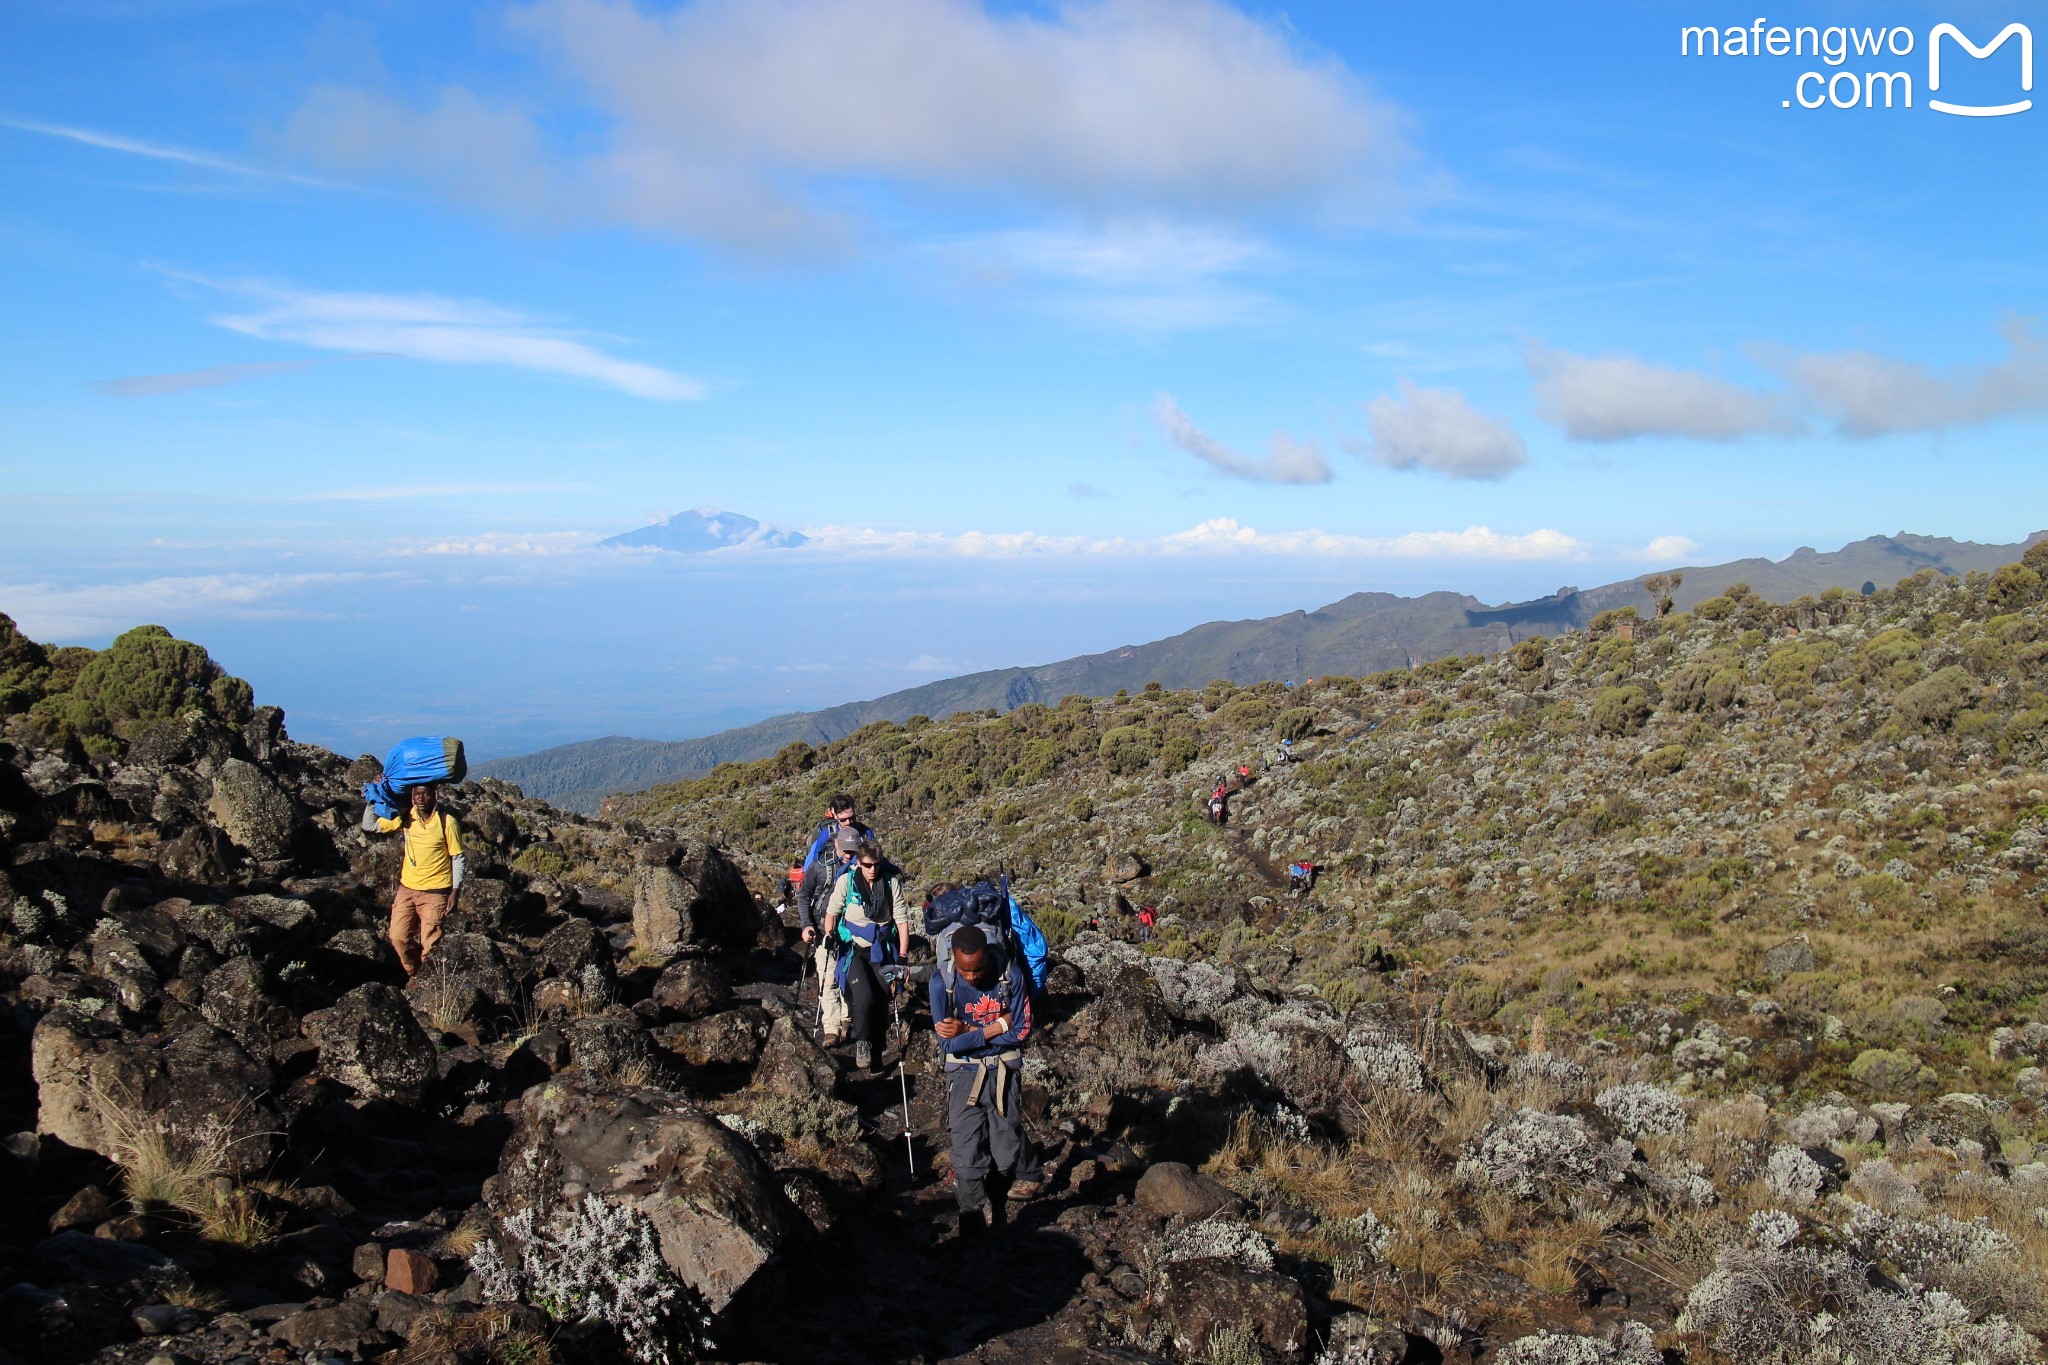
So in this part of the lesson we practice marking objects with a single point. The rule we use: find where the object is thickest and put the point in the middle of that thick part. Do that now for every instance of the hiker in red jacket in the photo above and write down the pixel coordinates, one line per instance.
(1147, 917)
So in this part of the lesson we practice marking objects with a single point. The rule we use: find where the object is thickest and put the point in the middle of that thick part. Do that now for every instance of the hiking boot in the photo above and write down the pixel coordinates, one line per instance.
(864, 1054)
(835, 1037)
(1024, 1191)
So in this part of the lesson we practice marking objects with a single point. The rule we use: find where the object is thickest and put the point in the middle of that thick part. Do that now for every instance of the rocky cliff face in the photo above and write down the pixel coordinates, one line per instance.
(1673, 987)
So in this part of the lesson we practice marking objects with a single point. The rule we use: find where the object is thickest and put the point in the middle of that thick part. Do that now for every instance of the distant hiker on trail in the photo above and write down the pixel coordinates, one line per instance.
(862, 920)
(1284, 755)
(792, 882)
(1218, 807)
(1147, 917)
(429, 878)
(981, 1010)
(813, 894)
(1301, 879)
(839, 817)
(1244, 774)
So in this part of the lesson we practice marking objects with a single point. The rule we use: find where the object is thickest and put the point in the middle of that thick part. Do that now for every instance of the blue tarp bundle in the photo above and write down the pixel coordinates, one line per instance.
(413, 763)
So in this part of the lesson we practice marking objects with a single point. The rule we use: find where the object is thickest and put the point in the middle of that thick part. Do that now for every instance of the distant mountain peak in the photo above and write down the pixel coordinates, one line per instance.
(706, 528)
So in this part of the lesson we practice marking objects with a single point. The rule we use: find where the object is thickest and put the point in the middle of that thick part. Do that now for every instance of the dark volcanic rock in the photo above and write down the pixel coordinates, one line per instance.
(602, 1045)
(733, 1038)
(370, 1042)
(686, 894)
(236, 998)
(574, 947)
(253, 811)
(198, 1087)
(1205, 1296)
(1169, 1188)
(716, 1209)
(464, 977)
(792, 1064)
(692, 988)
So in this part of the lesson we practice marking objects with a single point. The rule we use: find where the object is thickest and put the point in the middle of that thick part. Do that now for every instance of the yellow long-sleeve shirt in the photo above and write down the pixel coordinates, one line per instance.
(431, 847)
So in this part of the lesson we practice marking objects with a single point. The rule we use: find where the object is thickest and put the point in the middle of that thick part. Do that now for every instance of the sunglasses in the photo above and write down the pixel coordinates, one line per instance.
(867, 863)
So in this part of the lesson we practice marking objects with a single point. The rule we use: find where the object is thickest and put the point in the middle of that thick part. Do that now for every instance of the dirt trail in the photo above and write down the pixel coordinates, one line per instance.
(889, 1281)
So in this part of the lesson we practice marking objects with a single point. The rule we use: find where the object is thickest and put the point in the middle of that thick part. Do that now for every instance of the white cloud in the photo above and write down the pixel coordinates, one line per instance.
(1437, 430)
(1618, 398)
(1224, 535)
(1148, 275)
(1218, 537)
(1286, 461)
(1866, 394)
(1861, 393)
(1672, 547)
(1146, 254)
(213, 377)
(48, 611)
(510, 544)
(158, 151)
(734, 121)
(445, 331)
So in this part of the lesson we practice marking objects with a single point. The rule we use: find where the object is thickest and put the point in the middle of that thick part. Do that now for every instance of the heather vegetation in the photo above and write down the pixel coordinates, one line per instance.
(102, 698)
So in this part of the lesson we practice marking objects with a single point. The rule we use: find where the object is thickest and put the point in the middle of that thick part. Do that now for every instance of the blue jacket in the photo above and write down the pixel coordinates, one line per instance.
(969, 1004)
(826, 834)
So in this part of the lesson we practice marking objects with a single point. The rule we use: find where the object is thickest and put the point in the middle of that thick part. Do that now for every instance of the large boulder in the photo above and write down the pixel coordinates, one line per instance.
(465, 975)
(1949, 1122)
(692, 988)
(118, 959)
(1212, 1295)
(732, 1038)
(690, 894)
(715, 1211)
(102, 1091)
(238, 999)
(573, 948)
(370, 1042)
(792, 1064)
(254, 925)
(604, 1046)
(1170, 1188)
(253, 811)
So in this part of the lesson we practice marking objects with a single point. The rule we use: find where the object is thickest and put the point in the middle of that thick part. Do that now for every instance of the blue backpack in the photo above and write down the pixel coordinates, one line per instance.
(997, 912)
(413, 763)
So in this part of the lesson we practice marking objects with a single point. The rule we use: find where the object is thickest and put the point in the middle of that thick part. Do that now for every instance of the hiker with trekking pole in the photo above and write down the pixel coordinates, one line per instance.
(839, 818)
(867, 926)
(992, 962)
(813, 894)
(981, 1010)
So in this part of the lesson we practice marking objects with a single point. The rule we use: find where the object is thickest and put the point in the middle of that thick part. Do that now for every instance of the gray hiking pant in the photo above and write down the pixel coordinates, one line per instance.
(985, 1141)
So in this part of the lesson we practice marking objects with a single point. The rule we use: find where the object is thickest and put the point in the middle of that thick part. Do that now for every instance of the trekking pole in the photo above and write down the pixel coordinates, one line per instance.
(909, 1151)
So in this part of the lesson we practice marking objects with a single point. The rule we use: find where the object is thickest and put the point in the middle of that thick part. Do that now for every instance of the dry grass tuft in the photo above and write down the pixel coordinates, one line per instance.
(1552, 1257)
(488, 1335)
(189, 1171)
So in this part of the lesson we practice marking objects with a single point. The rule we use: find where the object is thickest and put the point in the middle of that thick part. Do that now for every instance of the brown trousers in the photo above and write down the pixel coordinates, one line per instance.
(416, 924)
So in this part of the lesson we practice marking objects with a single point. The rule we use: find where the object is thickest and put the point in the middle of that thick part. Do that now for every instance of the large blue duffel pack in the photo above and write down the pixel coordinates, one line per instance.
(993, 907)
(415, 762)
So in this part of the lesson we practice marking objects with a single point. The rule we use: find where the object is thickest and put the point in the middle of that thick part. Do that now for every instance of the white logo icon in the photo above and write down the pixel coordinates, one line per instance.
(2026, 37)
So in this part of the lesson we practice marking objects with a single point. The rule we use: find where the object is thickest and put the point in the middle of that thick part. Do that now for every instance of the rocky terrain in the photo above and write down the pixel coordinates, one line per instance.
(1671, 990)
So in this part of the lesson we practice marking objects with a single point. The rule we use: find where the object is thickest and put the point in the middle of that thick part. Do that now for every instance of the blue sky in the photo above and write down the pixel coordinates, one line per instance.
(335, 336)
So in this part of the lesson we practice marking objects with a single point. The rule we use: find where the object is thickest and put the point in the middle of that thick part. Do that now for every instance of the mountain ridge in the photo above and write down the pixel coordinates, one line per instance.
(1362, 632)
